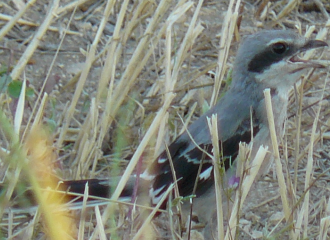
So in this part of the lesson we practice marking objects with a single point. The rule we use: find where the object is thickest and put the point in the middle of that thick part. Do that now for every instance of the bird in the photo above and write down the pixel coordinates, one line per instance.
(267, 59)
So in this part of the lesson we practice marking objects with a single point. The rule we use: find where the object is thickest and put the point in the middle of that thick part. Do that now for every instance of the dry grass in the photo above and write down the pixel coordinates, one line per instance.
(147, 69)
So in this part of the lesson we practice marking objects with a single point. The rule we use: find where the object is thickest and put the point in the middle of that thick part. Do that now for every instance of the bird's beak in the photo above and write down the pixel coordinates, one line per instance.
(313, 44)
(308, 63)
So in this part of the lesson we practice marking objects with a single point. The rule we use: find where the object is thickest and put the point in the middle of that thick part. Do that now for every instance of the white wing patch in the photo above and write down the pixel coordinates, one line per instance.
(194, 160)
(147, 176)
(162, 160)
(206, 174)
(154, 193)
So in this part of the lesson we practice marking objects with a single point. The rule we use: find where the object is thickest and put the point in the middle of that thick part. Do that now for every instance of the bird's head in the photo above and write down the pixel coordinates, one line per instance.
(271, 58)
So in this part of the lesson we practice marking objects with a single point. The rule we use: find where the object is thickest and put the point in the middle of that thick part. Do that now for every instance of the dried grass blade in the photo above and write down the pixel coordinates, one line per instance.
(213, 126)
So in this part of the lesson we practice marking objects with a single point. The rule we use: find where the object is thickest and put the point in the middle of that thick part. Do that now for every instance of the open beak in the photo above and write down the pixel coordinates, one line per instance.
(308, 63)
(313, 44)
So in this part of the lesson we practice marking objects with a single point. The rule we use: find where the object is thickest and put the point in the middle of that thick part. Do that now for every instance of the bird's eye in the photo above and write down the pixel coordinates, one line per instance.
(279, 47)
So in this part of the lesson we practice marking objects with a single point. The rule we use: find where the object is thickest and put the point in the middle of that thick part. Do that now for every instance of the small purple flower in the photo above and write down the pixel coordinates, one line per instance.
(233, 182)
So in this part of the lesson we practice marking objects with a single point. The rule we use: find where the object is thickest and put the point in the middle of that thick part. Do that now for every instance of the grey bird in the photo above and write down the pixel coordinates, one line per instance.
(264, 60)
(267, 59)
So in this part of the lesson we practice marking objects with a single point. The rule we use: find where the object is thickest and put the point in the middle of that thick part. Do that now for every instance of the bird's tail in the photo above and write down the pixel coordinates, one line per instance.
(96, 191)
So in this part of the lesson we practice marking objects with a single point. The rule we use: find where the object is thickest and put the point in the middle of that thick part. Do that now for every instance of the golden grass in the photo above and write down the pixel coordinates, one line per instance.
(274, 140)
(153, 45)
(213, 126)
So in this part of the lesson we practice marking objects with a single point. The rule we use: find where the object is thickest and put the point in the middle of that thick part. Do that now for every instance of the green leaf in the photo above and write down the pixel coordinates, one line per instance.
(187, 198)
(29, 92)
(14, 88)
(176, 201)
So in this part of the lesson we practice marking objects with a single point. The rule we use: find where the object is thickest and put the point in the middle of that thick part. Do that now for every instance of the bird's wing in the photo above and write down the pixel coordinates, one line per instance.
(190, 161)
